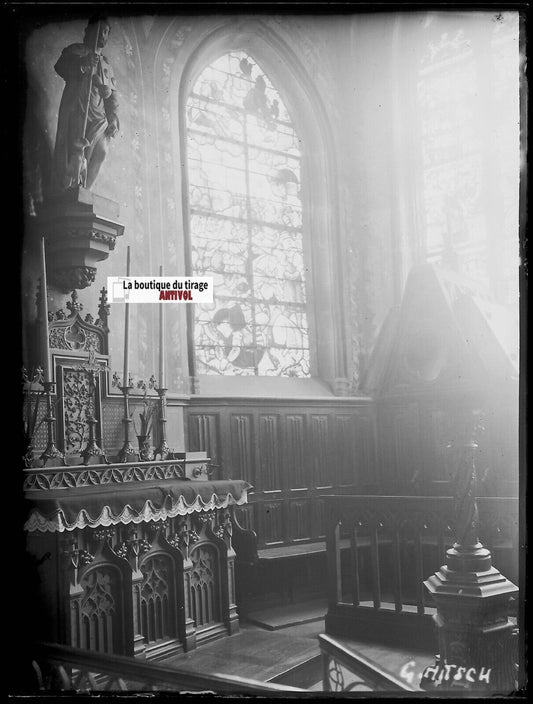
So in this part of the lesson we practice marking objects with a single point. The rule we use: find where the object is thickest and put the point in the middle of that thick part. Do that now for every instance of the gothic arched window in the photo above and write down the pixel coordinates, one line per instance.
(245, 223)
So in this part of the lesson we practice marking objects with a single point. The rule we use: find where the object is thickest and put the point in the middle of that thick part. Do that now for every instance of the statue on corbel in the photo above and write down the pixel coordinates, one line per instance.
(88, 113)
(80, 227)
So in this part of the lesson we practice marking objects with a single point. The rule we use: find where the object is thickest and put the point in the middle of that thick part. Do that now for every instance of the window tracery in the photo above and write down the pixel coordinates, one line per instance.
(245, 210)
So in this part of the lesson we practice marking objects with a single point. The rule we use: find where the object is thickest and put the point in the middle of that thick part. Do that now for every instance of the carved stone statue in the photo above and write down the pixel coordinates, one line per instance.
(88, 113)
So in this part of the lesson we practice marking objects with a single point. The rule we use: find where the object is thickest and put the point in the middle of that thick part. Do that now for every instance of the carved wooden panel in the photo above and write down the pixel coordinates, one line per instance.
(75, 391)
(77, 401)
(203, 435)
(242, 455)
(320, 457)
(299, 519)
(271, 522)
(157, 598)
(75, 337)
(269, 452)
(112, 425)
(99, 611)
(205, 586)
(345, 449)
(295, 451)
(41, 436)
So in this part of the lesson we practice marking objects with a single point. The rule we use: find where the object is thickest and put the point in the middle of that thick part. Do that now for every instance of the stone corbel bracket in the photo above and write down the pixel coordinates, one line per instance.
(80, 230)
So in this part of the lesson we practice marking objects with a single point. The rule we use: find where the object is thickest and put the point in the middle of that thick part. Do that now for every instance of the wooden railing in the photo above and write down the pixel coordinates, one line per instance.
(396, 542)
(60, 668)
(343, 670)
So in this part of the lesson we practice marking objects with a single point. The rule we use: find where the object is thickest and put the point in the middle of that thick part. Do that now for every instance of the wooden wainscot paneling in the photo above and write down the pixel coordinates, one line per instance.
(436, 430)
(203, 432)
(365, 441)
(321, 458)
(386, 447)
(345, 450)
(499, 440)
(406, 436)
(295, 450)
(299, 519)
(318, 519)
(269, 453)
(242, 454)
(290, 452)
(271, 525)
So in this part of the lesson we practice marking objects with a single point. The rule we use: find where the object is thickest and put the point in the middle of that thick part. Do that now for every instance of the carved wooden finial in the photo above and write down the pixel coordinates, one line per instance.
(73, 305)
(104, 308)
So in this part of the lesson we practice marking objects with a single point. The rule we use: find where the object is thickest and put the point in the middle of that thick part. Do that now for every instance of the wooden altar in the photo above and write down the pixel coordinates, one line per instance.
(133, 558)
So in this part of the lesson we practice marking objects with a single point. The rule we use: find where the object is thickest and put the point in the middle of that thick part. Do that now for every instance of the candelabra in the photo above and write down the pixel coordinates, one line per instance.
(51, 452)
(163, 450)
(471, 596)
(128, 453)
(92, 448)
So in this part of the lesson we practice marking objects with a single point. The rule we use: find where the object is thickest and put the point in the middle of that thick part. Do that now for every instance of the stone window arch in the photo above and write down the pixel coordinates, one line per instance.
(323, 356)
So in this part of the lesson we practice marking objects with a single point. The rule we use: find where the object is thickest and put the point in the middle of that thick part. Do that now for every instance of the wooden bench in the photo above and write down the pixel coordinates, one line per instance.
(254, 564)
(284, 552)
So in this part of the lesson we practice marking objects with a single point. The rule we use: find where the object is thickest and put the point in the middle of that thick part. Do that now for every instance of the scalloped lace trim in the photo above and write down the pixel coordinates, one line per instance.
(59, 524)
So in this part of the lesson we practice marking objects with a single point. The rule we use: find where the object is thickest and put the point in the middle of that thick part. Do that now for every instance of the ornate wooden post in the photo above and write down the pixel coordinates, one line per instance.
(224, 532)
(130, 549)
(163, 450)
(472, 599)
(183, 538)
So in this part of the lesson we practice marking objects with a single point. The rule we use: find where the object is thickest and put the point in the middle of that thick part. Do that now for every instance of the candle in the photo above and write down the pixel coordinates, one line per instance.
(161, 340)
(125, 377)
(44, 313)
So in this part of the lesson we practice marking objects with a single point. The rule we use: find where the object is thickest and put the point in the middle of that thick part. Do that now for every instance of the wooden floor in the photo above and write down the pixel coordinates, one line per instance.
(254, 652)
(265, 654)
(281, 617)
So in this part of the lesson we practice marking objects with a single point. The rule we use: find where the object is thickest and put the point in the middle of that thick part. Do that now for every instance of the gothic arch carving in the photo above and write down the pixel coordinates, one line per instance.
(100, 611)
(206, 585)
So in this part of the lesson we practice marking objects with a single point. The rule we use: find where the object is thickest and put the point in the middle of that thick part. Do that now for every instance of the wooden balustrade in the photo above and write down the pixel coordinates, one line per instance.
(344, 670)
(376, 587)
(60, 668)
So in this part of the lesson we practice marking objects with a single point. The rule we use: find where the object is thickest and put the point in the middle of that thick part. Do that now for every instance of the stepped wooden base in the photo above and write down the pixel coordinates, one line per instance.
(473, 627)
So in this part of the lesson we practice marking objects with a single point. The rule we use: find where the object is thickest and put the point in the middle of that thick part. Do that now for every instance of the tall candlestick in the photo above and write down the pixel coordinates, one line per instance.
(125, 378)
(161, 340)
(44, 313)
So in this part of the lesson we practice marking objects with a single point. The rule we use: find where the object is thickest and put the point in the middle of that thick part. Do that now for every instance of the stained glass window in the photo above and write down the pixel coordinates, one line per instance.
(468, 90)
(245, 214)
